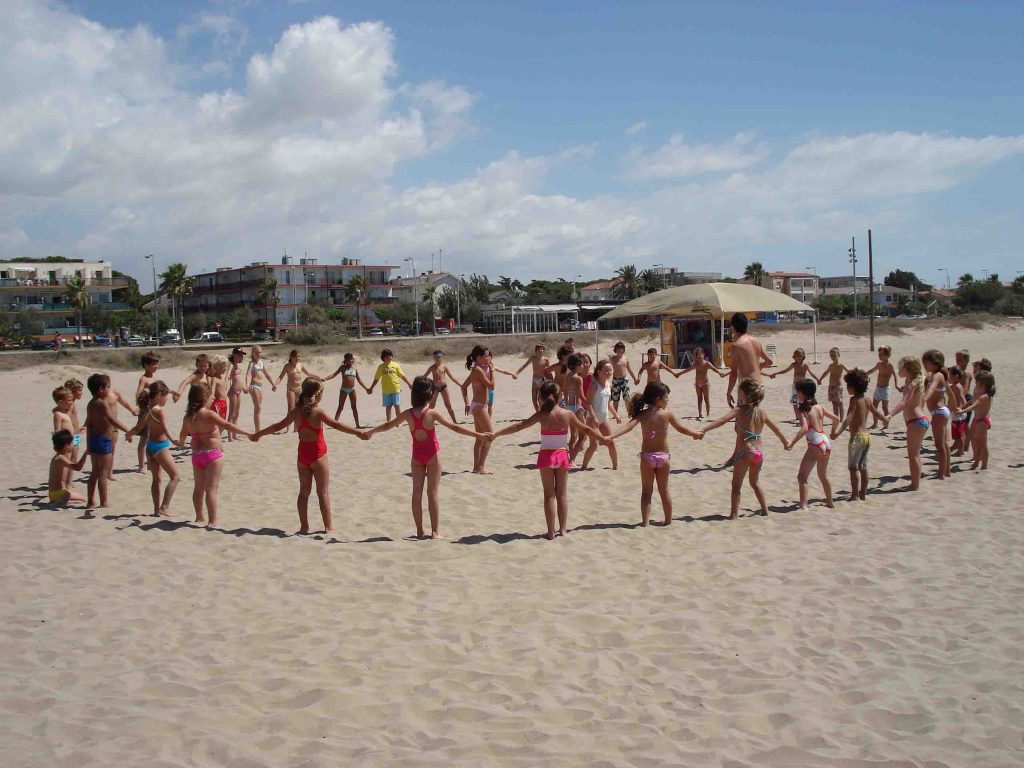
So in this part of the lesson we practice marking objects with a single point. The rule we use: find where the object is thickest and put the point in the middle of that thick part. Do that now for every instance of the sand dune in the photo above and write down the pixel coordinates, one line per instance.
(881, 634)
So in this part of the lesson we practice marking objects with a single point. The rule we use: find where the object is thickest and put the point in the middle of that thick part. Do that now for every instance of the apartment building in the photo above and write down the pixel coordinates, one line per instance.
(41, 286)
(298, 281)
(802, 286)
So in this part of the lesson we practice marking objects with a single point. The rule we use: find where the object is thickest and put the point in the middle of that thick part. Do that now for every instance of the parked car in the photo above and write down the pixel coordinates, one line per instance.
(207, 336)
(38, 344)
(103, 341)
(375, 332)
(136, 341)
(569, 325)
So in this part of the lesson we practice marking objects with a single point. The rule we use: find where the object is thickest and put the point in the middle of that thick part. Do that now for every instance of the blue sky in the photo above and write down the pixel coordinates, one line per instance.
(531, 139)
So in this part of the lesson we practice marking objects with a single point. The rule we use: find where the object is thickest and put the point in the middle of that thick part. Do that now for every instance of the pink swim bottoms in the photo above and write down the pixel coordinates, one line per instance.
(557, 459)
(203, 459)
(656, 459)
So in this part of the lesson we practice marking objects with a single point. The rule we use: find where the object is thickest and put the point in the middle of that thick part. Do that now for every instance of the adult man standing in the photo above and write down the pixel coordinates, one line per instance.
(746, 357)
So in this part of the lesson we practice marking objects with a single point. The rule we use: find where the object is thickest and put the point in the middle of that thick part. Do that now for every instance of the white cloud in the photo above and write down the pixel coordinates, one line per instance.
(678, 159)
(102, 138)
(636, 128)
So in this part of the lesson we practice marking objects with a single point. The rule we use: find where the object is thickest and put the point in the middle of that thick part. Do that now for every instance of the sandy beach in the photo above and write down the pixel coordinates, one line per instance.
(885, 633)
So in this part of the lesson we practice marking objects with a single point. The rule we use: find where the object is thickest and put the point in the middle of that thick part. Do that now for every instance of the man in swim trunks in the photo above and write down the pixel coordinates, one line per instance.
(100, 424)
(622, 372)
(540, 365)
(746, 357)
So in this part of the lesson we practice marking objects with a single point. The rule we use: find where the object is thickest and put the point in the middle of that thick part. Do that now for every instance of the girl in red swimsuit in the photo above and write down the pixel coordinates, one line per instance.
(553, 459)
(426, 460)
(312, 463)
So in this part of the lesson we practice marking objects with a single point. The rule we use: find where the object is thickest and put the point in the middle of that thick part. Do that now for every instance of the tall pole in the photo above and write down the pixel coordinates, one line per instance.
(156, 310)
(871, 295)
(458, 303)
(853, 260)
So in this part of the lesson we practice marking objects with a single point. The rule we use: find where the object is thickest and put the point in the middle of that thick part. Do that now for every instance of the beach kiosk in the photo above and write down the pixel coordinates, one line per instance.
(692, 316)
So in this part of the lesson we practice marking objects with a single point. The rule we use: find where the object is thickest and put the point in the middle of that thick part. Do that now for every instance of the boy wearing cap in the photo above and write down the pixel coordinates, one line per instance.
(236, 388)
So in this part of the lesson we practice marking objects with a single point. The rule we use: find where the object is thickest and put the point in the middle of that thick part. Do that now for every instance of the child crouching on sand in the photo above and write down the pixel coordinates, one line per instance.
(649, 411)
(312, 462)
(750, 424)
(426, 456)
(553, 459)
(61, 468)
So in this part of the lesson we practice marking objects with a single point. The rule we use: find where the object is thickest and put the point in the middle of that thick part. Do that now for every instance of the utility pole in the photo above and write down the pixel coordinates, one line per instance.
(156, 310)
(853, 260)
(871, 292)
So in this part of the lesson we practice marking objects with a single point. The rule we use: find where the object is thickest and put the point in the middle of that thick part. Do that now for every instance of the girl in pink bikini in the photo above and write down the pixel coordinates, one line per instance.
(204, 425)
(980, 405)
(553, 459)
(750, 424)
(649, 410)
(312, 463)
(481, 380)
(426, 459)
(819, 448)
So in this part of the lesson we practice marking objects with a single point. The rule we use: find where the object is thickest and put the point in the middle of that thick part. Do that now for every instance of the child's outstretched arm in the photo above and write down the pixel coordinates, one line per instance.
(328, 378)
(523, 367)
(629, 370)
(114, 422)
(397, 421)
(362, 434)
(784, 370)
(836, 432)
(520, 425)
(288, 419)
(121, 400)
(582, 426)
(136, 429)
(623, 430)
(680, 427)
(774, 428)
(496, 369)
(439, 419)
(450, 375)
(825, 412)
(722, 420)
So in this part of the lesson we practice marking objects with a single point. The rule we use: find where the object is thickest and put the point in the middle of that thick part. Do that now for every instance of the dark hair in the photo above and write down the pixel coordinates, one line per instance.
(310, 389)
(574, 361)
(955, 370)
(293, 353)
(478, 350)
(807, 388)
(96, 382)
(348, 356)
(563, 351)
(203, 358)
(619, 345)
(438, 352)
(198, 394)
(985, 365)
(62, 438)
(739, 322)
(936, 358)
(858, 380)
(422, 391)
(639, 403)
(386, 353)
(149, 394)
(549, 393)
(986, 378)
(652, 351)
(150, 358)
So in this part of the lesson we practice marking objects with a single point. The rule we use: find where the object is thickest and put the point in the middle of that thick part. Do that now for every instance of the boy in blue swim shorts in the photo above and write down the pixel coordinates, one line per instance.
(100, 424)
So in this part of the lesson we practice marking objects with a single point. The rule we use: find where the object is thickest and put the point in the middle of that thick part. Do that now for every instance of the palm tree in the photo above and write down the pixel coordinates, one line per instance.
(79, 300)
(430, 299)
(355, 291)
(627, 283)
(650, 281)
(965, 280)
(267, 294)
(177, 284)
(754, 272)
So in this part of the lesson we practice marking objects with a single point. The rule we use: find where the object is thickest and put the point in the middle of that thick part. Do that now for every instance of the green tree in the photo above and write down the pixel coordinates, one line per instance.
(906, 280)
(78, 299)
(430, 306)
(965, 279)
(402, 314)
(177, 284)
(267, 294)
(627, 286)
(651, 281)
(355, 292)
(478, 286)
(1018, 285)
(754, 271)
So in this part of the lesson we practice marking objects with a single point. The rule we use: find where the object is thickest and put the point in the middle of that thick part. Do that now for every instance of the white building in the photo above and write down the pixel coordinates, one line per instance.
(411, 289)
(41, 286)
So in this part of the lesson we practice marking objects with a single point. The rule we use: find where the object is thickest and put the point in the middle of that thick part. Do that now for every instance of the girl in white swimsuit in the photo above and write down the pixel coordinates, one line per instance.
(599, 396)
(256, 378)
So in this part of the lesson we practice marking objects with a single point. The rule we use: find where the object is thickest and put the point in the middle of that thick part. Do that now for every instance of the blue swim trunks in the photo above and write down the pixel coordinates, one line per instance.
(154, 448)
(77, 441)
(395, 399)
(102, 445)
(490, 397)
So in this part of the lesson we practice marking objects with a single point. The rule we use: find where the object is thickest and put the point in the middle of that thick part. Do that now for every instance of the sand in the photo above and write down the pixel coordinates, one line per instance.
(887, 633)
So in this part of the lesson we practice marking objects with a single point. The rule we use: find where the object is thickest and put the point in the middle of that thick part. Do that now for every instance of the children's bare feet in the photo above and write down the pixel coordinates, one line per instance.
(200, 521)
(763, 513)
(435, 535)
(302, 532)
(164, 513)
(550, 535)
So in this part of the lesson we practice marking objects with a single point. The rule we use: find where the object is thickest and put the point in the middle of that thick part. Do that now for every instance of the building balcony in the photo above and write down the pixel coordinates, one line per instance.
(61, 283)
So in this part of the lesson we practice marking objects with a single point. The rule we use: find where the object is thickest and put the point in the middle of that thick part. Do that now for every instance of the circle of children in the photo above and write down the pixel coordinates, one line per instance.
(574, 401)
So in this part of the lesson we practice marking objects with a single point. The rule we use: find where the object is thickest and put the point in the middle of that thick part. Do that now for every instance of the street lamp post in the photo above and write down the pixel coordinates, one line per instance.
(415, 297)
(156, 310)
(853, 260)
(949, 301)
(458, 303)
